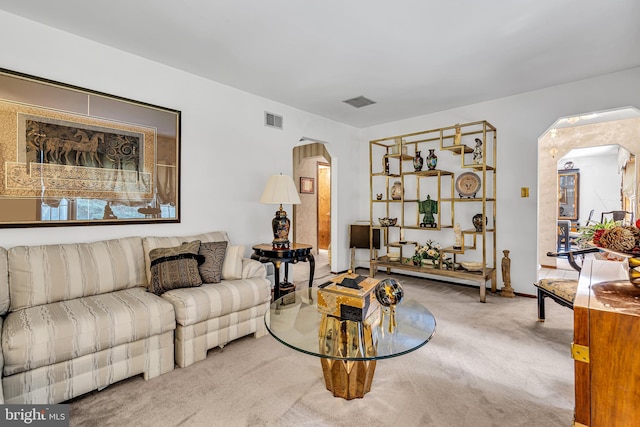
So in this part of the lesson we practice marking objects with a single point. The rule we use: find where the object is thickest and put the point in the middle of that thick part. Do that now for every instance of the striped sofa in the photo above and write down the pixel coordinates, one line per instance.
(78, 317)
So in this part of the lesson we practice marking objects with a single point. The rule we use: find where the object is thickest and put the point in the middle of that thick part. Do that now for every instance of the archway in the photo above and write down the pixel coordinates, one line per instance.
(616, 127)
(306, 163)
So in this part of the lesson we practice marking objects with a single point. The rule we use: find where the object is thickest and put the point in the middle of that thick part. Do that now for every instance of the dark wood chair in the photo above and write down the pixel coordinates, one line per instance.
(562, 291)
(625, 217)
(564, 239)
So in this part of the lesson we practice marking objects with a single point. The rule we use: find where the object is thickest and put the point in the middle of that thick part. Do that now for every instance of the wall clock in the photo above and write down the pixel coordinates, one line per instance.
(468, 184)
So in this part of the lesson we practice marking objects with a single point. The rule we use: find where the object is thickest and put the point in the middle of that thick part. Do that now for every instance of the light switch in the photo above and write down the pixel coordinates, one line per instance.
(524, 192)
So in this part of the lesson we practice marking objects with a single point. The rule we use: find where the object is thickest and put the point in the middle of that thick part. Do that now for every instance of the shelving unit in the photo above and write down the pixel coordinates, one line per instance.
(457, 152)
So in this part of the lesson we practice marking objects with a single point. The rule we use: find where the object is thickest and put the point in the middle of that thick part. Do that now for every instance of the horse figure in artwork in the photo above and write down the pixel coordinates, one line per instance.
(87, 145)
(47, 146)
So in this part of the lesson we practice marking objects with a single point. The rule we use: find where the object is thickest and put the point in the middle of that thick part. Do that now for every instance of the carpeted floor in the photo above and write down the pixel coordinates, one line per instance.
(488, 365)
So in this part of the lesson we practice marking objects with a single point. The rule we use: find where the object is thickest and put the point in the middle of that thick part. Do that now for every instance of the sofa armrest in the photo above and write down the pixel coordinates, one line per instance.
(252, 268)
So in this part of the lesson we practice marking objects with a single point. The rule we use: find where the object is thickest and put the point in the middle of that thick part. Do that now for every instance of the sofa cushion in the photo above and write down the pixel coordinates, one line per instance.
(194, 305)
(4, 282)
(151, 242)
(61, 331)
(51, 273)
(211, 268)
(176, 267)
(232, 265)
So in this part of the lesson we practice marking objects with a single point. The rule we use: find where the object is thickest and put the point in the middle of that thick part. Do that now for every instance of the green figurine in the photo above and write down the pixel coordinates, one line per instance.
(428, 208)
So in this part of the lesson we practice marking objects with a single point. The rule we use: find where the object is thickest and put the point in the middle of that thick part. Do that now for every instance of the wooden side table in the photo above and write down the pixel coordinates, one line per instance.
(297, 252)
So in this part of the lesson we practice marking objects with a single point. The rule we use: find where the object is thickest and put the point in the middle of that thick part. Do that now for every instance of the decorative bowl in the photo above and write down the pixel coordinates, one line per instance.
(393, 256)
(471, 266)
(388, 222)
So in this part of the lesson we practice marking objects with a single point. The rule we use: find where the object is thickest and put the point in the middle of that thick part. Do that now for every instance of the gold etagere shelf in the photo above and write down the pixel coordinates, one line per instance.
(391, 161)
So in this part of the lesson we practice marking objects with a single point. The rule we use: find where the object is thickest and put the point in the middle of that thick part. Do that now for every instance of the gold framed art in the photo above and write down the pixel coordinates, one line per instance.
(307, 185)
(73, 156)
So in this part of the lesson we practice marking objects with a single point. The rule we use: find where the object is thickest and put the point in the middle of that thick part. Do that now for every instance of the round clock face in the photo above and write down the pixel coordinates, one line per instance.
(468, 184)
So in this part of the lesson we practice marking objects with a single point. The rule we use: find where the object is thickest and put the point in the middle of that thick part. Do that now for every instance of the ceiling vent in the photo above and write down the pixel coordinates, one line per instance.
(359, 101)
(272, 120)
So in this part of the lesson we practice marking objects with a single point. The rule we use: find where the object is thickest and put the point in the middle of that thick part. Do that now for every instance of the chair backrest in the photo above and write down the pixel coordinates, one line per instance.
(564, 226)
(625, 216)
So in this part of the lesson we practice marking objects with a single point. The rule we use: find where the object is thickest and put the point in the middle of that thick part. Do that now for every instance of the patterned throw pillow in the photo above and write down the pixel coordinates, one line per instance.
(176, 267)
(211, 269)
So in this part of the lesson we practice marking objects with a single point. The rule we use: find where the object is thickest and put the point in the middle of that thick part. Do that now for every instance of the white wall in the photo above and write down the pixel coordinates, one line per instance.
(520, 120)
(600, 185)
(227, 152)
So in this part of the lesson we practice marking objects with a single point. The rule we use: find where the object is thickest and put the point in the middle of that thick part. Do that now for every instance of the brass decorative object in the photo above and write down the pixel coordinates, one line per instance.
(347, 338)
(389, 292)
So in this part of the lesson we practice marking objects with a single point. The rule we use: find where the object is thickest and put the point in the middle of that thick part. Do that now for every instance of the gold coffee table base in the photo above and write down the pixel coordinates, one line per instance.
(338, 337)
(348, 379)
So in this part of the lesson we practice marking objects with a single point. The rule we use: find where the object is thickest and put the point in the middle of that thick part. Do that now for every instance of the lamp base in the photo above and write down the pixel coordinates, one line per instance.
(280, 225)
(280, 244)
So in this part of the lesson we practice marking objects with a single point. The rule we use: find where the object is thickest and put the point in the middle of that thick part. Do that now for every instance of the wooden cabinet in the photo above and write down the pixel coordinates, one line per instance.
(569, 194)
(429, 203)
(606, 346)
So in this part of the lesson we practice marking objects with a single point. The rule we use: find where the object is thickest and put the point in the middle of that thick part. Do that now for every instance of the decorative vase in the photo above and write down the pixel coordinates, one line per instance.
(396, 191)
(418, 161)
(432, 159)
(477, 221)
(385, 165)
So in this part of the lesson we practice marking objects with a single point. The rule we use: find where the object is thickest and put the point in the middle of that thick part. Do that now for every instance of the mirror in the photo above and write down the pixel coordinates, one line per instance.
(72, 156)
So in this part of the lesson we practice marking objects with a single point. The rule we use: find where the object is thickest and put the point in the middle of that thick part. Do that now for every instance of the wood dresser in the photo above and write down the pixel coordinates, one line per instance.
(606, 347)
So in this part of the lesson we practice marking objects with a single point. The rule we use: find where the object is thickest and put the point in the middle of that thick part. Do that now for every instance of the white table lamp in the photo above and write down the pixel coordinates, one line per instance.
(280, 189)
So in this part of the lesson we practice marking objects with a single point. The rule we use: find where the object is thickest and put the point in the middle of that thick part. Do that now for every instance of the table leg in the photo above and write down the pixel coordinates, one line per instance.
(276, 288)
(312, 270)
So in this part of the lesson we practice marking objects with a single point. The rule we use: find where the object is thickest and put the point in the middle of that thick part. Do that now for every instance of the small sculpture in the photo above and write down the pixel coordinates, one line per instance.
(477, 152)
(428, 207)
(458, 136)
(389, 292)
(108, 212)
(507, 290)
(458, 233)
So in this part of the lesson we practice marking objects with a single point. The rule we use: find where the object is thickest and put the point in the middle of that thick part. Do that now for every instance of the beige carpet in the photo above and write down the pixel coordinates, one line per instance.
(488, 365)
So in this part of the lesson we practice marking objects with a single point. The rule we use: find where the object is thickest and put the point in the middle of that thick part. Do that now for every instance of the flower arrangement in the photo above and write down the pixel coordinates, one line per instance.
(431, 251)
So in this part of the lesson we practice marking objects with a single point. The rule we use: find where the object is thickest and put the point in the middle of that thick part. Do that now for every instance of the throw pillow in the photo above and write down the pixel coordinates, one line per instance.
(232, 265)
(211, 268)
(177, 267)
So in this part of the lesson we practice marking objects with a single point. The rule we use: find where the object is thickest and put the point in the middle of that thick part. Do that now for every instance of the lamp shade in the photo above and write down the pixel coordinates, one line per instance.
(280, 189)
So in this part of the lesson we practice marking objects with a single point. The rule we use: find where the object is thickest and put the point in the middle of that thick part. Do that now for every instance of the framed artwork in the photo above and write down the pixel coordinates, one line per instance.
(72, 156)
(307, 185)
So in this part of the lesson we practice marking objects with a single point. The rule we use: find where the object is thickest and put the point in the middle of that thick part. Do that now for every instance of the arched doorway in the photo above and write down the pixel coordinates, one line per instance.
(312, 217)
(615, 127)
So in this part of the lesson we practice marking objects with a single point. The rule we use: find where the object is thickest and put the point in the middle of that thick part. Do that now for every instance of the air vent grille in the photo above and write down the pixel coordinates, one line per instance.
(359, 101)
(272, 120)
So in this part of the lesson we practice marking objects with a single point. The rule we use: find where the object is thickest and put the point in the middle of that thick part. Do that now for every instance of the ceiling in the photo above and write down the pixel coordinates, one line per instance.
(412, 57)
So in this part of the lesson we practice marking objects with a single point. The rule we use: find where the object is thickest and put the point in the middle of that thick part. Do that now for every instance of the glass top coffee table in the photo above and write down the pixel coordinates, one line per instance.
(348, 350)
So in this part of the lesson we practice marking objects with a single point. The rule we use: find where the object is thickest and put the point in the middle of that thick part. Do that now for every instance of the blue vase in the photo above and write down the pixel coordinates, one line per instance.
(432, 159)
